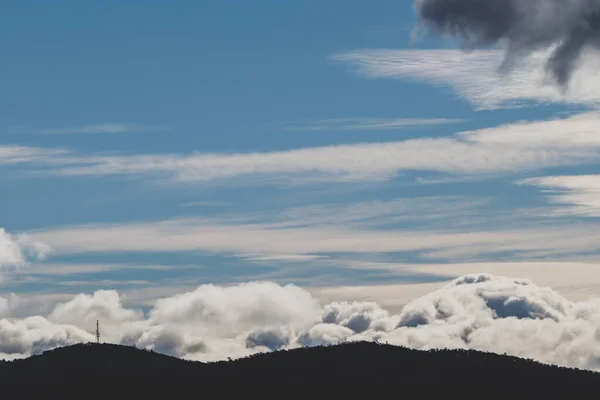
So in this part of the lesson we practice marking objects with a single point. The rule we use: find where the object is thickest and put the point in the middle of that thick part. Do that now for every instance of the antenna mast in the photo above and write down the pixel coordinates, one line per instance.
(97, 331)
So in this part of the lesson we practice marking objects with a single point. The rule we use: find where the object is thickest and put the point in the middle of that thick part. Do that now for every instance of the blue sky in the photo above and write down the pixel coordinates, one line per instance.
(155, 147)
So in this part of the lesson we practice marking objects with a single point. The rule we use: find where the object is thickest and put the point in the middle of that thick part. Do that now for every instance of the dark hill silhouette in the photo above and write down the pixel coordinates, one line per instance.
(343, 369)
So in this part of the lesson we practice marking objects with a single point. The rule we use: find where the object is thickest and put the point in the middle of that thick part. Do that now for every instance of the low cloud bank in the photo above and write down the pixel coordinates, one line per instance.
(482, 312)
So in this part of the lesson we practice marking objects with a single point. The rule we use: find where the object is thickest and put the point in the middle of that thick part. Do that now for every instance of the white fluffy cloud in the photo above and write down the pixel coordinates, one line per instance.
(478, 311)
(16, 250)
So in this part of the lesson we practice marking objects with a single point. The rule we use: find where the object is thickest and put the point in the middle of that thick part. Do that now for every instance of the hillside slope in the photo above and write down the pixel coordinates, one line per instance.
(343, 368)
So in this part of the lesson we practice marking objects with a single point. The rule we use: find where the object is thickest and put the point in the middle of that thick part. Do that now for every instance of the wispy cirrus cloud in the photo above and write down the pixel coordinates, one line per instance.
(369, 214)
(287, 240)
(98, 128)
(573, 194)
(523, 146)
(205, 204)
(518, 147)
(64, 269)
(354, 124)
(475, 76)
(13, 155)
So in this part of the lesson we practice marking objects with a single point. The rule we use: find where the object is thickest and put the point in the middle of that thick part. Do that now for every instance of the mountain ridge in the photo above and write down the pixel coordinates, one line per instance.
(358, 364)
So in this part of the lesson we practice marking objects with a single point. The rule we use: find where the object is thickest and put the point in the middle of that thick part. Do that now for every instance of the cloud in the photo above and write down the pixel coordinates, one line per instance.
(223, 311)
(205, 204)
(392, 297)
(13, 155)
(205, 322)
(281, 257)
(309, 233)
(18, 250)
(578, 194)
(565, 28)
(474, 75)
(575, 280)
(478, 311)
(518, 147)
(65, 269)
(351, 124)
(98, 128)
(85, 310)
(35, 334)
(488, 151)
(375, 213)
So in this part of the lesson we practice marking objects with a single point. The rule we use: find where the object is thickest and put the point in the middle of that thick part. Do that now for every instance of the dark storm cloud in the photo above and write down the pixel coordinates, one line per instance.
(524, 26)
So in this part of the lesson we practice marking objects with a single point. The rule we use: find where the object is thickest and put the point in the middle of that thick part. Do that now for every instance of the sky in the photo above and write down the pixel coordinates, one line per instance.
(149, 150)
